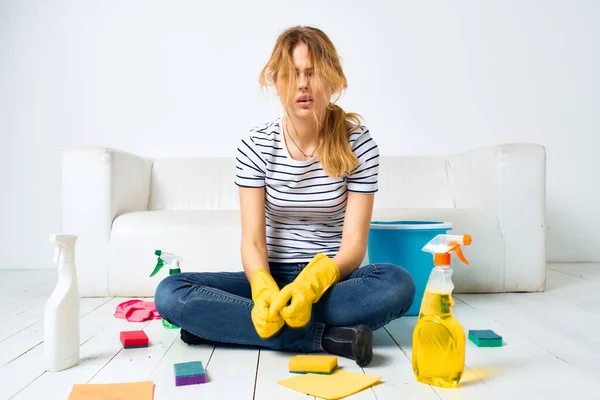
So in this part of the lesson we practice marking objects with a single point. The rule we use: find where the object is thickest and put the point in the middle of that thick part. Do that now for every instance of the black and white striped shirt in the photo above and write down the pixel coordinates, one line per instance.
(304, 207)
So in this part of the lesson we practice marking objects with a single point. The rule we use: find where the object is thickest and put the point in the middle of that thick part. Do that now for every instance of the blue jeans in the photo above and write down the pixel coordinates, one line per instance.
(216, 305)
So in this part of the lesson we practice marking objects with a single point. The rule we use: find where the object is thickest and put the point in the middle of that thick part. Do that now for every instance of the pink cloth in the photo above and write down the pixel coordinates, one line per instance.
(137, 311)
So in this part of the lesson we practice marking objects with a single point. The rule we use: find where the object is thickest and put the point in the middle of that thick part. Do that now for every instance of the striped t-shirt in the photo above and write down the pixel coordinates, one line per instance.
(304, 207)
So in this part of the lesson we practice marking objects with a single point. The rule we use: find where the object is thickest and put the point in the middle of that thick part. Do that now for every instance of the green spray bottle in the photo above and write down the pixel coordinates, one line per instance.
(172, 261)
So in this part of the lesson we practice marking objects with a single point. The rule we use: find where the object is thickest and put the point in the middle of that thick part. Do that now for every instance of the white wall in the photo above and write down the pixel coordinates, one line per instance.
(162, 77)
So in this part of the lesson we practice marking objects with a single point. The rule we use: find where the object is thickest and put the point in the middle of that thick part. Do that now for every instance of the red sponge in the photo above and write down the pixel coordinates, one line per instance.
(132, 339)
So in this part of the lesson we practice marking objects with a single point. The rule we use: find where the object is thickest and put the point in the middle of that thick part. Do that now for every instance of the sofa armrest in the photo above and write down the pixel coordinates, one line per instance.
(98, 184)
(510, 181)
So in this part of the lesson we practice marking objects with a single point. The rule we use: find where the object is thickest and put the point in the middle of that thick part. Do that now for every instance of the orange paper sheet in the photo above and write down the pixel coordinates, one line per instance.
(113, 391)
(338, 385)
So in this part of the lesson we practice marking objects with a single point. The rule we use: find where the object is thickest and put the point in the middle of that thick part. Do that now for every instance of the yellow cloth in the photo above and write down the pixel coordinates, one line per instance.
(264, 288)
(308, 287)
(113, 391)
(338, 385)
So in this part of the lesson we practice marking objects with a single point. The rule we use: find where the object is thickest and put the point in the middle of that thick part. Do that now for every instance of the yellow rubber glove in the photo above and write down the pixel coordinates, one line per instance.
(319, 275)
(264, 289)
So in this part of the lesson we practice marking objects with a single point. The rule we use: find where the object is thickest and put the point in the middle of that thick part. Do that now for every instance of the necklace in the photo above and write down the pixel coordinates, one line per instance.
(296, 144)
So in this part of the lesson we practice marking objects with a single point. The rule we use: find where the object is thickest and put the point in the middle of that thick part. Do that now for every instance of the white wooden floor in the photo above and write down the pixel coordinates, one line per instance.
(551, 351)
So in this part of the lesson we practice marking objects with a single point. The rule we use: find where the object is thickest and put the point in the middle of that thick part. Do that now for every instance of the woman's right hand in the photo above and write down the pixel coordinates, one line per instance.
(264, 290)
(256, 265)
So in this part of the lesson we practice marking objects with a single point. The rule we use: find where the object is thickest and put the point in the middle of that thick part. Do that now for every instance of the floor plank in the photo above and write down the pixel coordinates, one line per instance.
(33, 335)
(521, 367)
(575, 290)
(273, 367)
(588, 271)
(22, 291)
(471, 386)
(163, 375)
(24, 281)
(132, 365)
(231, 373)
(27, 368)
(395, 368)
(21, 321)
(550, 351)
(546, 332)
(99, 348)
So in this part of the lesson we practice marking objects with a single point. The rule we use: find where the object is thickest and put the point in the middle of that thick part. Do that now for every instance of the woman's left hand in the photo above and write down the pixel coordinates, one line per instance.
(294, 302)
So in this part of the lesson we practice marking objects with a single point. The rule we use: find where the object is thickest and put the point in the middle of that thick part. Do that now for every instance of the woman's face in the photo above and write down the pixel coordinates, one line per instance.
(310, 96)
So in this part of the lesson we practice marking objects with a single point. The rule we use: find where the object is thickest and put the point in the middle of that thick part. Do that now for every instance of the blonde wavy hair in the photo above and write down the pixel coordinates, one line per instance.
(335, 125)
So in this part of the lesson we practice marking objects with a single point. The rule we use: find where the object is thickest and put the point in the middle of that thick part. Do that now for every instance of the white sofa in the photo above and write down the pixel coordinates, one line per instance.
(124, 206)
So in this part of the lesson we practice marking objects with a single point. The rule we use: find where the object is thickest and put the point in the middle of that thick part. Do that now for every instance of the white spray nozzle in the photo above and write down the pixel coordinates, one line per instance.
(171, 259)
(65, 245)
(164, 258)
(442, 245)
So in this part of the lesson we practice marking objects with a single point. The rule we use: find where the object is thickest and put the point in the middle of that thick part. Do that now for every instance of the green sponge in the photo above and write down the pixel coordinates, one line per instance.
(485, 338)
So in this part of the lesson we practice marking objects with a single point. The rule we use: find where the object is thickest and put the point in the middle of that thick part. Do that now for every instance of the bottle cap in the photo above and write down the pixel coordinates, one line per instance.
(441, 259)
(445, 258)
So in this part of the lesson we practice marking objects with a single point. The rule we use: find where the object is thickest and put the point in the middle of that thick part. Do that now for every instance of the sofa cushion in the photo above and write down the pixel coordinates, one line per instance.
(210, 241)
(407, 182)
(207, 240)
(193, 184)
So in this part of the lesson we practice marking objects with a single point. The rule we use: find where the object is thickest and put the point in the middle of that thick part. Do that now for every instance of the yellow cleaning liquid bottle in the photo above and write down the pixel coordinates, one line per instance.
(439, 340)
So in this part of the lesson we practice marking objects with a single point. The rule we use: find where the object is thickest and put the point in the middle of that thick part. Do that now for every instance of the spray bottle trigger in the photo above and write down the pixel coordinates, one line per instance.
(159, 265)
(456, 247)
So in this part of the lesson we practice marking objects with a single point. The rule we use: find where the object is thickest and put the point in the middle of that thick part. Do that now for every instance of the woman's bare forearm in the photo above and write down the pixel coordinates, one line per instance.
(254, 256)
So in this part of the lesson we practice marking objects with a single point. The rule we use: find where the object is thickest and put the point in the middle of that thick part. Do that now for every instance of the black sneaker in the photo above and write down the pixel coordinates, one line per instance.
(190, 338)
(355, 342)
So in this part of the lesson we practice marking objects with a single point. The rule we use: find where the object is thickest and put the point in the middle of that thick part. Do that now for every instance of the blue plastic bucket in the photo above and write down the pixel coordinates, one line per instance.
(401, 243)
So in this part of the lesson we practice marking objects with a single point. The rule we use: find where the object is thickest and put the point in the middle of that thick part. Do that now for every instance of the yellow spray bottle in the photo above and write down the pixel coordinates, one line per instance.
(439, 340)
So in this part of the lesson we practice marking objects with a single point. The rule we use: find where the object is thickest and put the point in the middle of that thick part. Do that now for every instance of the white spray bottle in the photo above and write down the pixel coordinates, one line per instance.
(61, 313)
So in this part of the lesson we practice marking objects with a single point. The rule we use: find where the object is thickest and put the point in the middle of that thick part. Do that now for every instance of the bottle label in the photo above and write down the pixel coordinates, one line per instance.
(436, 303)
